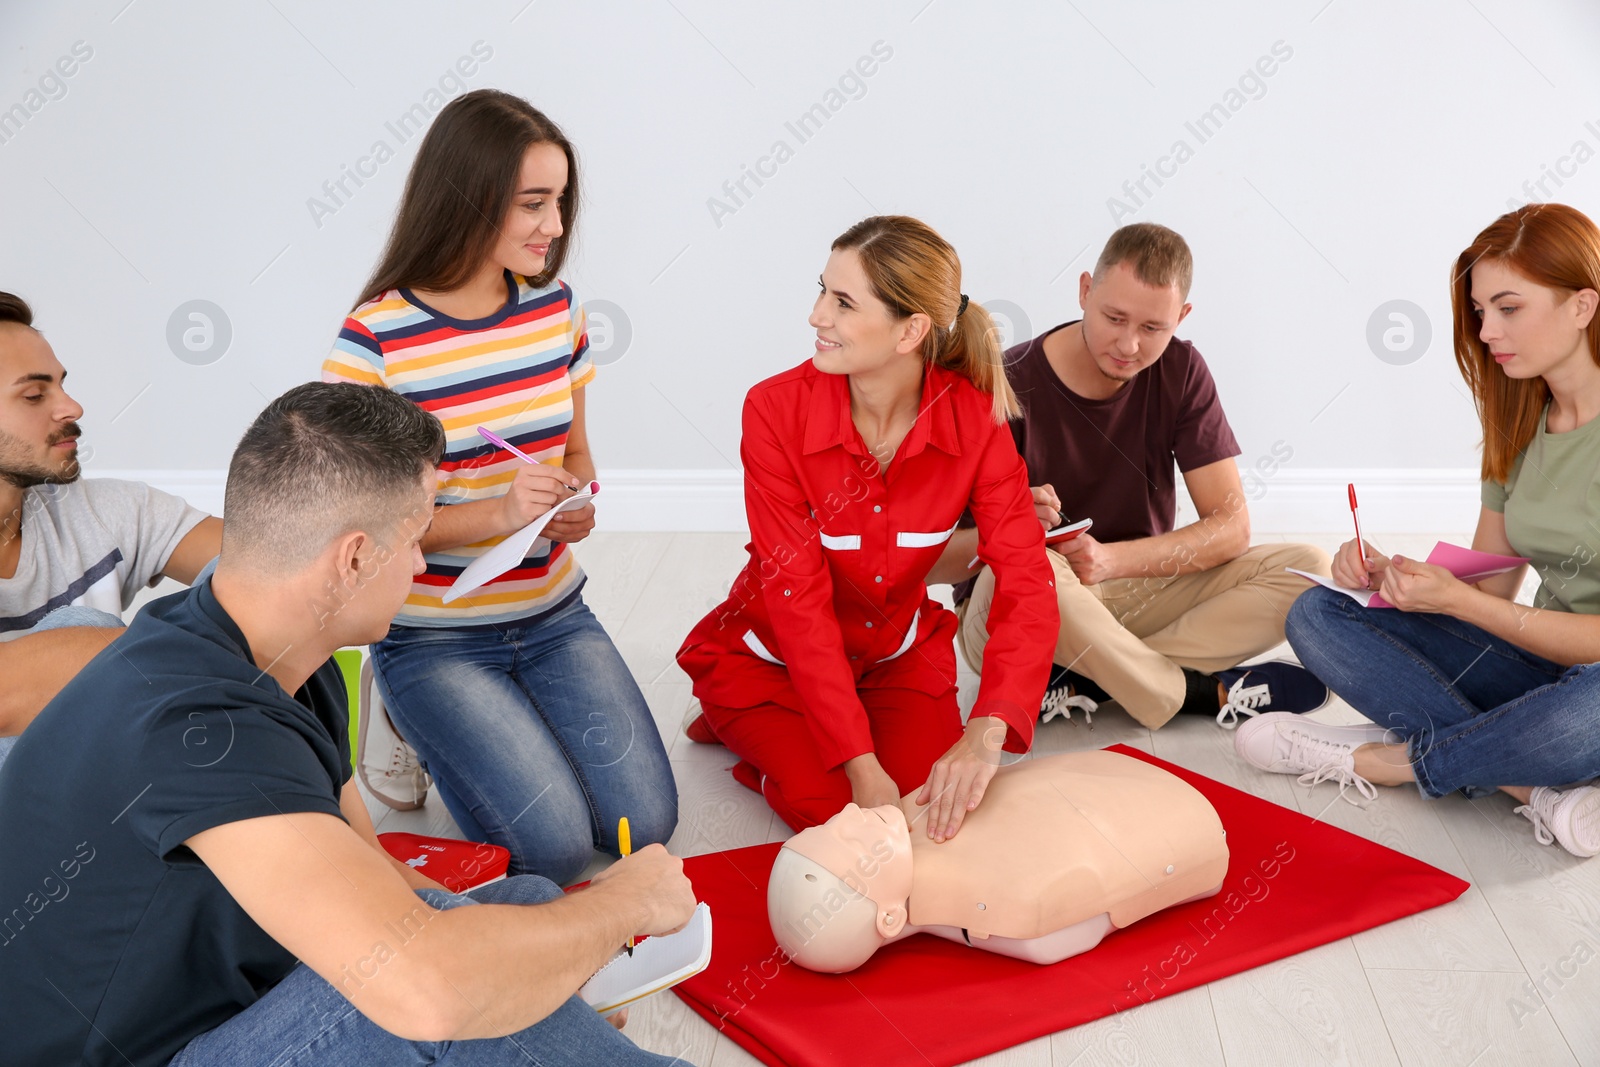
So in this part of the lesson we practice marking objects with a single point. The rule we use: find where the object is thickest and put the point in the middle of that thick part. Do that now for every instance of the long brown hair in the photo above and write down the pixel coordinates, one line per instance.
(460, 188)
(1556, 246)
(912, 269)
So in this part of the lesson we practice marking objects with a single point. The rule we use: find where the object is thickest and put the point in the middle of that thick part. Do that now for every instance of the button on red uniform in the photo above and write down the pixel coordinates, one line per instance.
(832, 607)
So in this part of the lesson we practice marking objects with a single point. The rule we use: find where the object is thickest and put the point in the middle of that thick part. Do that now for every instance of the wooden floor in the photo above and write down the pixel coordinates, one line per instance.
(1507, 974)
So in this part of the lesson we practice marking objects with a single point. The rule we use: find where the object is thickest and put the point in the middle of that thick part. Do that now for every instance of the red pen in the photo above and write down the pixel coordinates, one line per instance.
(1354, 514)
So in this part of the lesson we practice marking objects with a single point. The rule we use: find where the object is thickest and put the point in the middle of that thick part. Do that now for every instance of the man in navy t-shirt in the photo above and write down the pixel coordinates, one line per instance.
(1154, 617)
(189, 874)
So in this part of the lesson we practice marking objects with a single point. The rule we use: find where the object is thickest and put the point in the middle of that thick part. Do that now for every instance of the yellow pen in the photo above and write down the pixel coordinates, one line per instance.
(625, 846)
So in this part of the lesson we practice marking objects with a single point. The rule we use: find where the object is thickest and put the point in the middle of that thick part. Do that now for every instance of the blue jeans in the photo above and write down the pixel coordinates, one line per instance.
(61, 619)
(304, 1020)
(537, 736)
(1476, 711)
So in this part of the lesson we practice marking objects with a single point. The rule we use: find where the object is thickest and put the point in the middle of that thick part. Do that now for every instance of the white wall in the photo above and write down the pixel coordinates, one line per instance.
(181, 159)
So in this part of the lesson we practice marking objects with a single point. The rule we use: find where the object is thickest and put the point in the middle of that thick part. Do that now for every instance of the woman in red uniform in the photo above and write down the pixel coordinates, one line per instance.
(828, 670)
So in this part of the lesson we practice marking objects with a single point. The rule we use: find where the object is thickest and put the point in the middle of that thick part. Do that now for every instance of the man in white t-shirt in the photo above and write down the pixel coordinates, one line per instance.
(73, 553)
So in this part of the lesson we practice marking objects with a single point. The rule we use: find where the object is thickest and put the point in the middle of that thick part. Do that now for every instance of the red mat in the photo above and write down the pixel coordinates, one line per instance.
(1292, 884)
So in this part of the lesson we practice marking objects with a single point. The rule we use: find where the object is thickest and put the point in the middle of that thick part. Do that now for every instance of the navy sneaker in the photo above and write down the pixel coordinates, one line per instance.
(1067, 690)
(1276, 685)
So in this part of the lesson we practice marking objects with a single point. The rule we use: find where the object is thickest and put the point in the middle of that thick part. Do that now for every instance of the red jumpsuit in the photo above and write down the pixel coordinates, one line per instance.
(828, 646)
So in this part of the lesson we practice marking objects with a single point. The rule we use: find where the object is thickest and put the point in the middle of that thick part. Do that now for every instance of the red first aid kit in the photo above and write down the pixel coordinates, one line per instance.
(456, 865)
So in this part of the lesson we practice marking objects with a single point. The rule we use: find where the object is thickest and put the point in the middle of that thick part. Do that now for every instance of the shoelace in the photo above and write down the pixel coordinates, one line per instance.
(403, 762)
(402, 759)
(1242, 700)
(1328, 761)
(1541, 829)
(1061, 701)
(1566, 817)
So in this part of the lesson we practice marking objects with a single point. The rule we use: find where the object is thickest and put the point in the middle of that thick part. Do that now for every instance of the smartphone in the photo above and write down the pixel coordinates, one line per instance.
(1067, 532)
(1055, 537)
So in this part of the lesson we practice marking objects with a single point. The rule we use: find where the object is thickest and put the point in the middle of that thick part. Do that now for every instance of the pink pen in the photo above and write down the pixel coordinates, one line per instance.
(495, 439)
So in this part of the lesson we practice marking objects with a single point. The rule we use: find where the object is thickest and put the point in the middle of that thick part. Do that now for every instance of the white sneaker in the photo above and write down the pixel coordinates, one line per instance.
(1285, 743)
(1571, 817)
(387, 765)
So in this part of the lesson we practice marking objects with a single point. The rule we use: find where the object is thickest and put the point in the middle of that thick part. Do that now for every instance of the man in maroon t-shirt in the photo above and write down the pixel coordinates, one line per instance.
(1157, 619)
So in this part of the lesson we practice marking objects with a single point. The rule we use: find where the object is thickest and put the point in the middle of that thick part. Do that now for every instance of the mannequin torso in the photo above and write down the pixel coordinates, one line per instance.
(1062, 850)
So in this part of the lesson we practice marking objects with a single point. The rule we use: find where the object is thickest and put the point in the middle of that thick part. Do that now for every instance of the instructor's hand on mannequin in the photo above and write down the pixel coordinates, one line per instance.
(957, 782)
(1092, 561)
(1349, 570)
(870, 784)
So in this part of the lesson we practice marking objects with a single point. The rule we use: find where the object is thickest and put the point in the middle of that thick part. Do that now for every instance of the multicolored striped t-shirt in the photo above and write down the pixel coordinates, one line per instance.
(513, 372)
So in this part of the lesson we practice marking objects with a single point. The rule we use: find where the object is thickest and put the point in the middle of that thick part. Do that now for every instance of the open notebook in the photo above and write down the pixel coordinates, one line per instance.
(1467, 564)
(511, 551)
(657, 963)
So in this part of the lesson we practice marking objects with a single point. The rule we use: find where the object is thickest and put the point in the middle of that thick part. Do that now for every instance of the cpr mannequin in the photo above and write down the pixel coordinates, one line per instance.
(1063, 850)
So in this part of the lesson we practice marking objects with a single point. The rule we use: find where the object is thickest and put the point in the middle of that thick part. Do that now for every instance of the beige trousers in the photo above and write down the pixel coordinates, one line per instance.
(1133, 636)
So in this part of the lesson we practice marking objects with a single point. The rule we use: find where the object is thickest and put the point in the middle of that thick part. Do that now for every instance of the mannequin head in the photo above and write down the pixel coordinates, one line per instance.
(840, 890)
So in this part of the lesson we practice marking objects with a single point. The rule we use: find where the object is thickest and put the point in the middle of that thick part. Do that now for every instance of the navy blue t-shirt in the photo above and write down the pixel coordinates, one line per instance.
(117, 946)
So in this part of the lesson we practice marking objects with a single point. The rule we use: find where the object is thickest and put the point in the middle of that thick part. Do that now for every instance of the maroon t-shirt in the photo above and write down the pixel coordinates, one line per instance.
(1112, 460)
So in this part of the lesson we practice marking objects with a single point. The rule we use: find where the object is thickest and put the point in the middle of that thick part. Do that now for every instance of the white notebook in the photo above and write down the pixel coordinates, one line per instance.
(657, 963)
(513, 550)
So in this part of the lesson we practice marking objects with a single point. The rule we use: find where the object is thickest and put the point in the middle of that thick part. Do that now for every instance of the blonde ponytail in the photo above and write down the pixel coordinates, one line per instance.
(912, 269)
(971, 348)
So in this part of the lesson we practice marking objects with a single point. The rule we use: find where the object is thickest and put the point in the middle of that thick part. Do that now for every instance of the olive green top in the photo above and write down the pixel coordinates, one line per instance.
(1551, 502)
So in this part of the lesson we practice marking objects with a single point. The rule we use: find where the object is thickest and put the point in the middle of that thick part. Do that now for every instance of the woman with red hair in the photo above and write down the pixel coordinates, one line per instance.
(1466, 689)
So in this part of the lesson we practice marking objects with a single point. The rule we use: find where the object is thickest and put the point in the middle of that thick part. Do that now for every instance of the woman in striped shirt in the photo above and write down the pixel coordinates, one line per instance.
(516, 700)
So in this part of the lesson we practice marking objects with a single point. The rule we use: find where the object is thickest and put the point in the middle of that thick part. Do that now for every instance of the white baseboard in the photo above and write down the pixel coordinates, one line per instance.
(1393, 500)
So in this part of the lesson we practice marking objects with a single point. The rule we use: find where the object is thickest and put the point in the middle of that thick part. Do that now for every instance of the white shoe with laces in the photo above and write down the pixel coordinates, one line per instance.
(1570, 816)
(387, 765)
(1285, 743)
